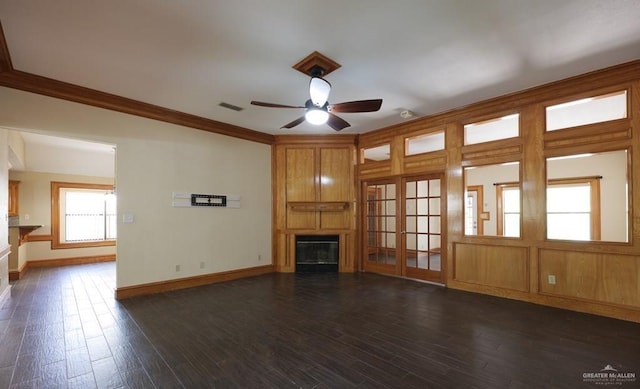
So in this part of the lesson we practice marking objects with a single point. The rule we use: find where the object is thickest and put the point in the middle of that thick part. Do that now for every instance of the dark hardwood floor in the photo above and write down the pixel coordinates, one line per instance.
(62, 328)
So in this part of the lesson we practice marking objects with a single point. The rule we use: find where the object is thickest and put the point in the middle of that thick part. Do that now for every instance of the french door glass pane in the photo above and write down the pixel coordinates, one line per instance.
(423, 189)
(434, 224)
(423, 224)
(423, 206)
(434, 206)
(412, 242)
(411, 224)
(434, 188)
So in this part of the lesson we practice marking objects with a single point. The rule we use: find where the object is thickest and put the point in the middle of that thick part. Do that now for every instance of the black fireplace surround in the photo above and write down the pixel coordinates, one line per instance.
(317, 253)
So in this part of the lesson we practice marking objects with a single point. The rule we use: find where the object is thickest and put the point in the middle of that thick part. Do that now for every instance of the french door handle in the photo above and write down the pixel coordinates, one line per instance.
(403, 232)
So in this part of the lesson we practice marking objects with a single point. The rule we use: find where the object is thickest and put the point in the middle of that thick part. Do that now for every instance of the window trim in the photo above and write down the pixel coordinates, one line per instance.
(55, 215)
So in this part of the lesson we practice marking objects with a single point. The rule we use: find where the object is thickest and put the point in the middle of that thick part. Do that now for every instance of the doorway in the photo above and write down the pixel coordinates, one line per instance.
(405, 227)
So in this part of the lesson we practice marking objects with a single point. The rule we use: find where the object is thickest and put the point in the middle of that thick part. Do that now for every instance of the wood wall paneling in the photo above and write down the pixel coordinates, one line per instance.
(497, 266)
(300, 186)
(516, 264)
(598, 277)
(336, 184)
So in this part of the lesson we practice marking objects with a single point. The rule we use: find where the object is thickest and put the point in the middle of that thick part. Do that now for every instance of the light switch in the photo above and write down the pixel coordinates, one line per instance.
(127, 218)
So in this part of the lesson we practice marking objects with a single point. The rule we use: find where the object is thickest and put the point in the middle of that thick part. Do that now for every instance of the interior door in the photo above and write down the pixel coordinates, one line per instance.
(423, 228)
(404, 227)
(381, 224)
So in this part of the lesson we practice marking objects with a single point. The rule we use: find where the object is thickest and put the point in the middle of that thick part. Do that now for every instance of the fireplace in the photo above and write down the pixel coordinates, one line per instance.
(317, 253)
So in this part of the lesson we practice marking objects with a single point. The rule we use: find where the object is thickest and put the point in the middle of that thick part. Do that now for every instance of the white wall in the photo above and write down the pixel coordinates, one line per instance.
(16, 150)
(153, 160)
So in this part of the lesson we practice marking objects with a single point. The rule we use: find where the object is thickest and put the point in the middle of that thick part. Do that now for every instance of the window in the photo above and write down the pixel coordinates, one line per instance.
(575, 203)
(587, 111)
(378, 153)
(508, 204)
(494, 129)
(424, 143)
(82, 215)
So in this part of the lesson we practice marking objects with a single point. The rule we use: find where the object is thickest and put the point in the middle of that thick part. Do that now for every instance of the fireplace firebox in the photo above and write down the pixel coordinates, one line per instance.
(317, 253)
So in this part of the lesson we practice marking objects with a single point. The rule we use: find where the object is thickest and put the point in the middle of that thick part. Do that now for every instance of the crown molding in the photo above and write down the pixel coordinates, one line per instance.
(5, 58)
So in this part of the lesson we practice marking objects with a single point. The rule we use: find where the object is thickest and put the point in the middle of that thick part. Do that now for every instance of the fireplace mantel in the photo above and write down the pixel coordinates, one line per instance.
(318, 206)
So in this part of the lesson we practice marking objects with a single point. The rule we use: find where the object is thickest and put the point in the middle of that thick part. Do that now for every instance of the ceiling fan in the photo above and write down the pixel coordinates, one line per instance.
(319, 111)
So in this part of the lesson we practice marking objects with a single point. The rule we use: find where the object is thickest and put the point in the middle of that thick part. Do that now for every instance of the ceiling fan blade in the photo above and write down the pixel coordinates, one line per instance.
(357, 106)
(273, 105)
(294, 123)
(336, 122)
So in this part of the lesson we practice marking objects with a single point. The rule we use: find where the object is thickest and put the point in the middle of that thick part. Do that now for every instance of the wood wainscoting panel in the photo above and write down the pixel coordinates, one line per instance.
(605, 278)
(422, 163)
(336, 184)
(300, 185)
(505, 267)
(374, 169)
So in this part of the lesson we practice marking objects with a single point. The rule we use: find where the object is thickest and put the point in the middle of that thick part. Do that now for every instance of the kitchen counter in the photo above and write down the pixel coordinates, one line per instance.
(24, 230)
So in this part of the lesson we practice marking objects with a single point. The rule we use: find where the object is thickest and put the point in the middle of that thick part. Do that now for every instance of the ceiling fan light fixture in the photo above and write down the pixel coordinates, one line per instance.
(316, 116)
(319, 89)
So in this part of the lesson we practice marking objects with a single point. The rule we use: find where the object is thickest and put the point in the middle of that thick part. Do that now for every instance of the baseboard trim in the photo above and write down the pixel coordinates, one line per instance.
(72, 261)
(15, 275)
(190, 282)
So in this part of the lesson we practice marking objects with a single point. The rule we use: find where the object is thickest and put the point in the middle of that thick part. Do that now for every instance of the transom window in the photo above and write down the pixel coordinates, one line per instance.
(424, 143)
(590, 110)
(494, 129)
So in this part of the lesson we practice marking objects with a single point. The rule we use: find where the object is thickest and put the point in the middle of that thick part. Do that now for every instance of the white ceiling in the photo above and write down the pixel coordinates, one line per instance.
(426, 56)
(31, 139)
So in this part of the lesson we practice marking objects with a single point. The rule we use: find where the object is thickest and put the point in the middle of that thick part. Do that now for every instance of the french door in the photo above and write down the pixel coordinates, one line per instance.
(404, 223)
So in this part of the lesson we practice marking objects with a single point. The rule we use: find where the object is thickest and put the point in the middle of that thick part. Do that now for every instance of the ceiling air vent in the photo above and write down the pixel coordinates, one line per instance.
(231, 106)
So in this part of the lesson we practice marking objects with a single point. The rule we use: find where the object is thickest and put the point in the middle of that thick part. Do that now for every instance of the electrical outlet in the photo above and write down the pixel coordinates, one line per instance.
(259, 257)
(551, 279)
(201, 264)
(177, 268)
